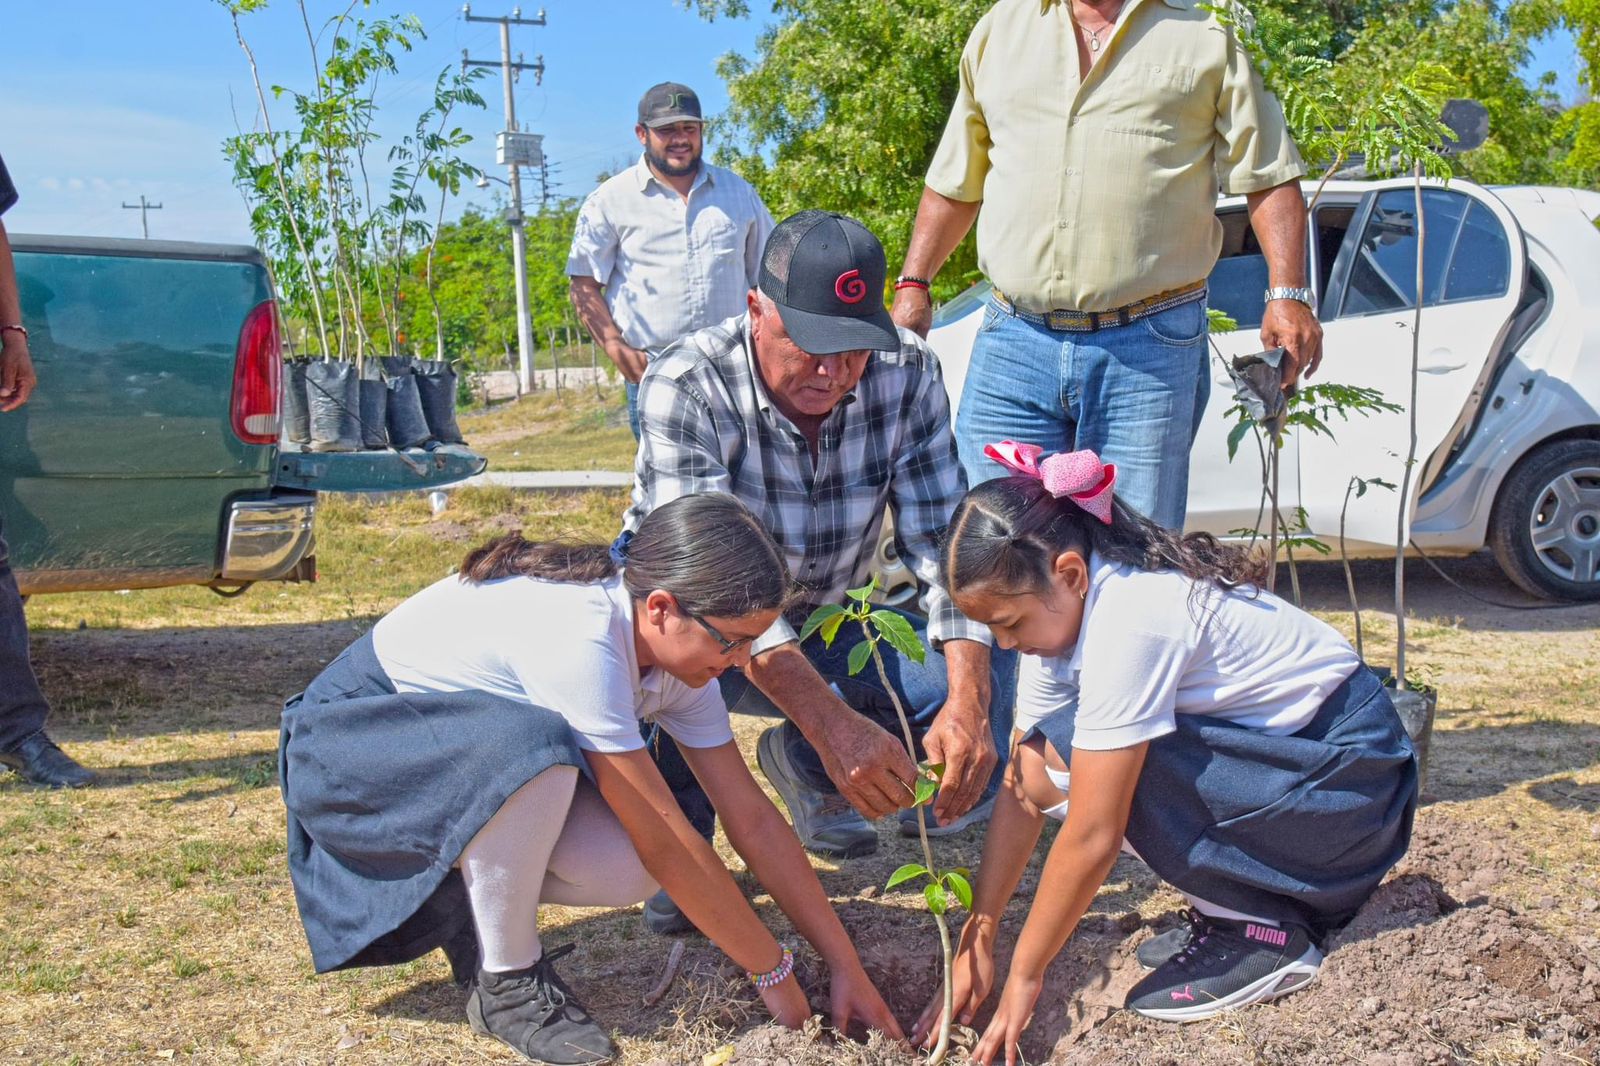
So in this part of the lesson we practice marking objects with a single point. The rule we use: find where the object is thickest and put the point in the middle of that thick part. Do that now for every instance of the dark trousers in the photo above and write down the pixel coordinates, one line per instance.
(22, 706)
(923, 690)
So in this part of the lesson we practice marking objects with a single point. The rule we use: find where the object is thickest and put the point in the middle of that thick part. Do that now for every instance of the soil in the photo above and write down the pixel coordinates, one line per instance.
(1434, 969)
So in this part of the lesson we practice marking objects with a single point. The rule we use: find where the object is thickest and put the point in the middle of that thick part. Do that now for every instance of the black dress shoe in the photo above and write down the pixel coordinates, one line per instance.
(38, 761)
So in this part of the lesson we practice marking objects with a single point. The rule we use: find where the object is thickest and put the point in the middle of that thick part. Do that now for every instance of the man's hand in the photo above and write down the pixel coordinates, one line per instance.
(630, 361)
(17, 378)
(913, 309)
(961, 739)
(870, 767)
(1290, 324)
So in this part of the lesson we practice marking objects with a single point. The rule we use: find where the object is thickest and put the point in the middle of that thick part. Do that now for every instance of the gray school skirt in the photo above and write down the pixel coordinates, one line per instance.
(1297, 828)
(384, 791)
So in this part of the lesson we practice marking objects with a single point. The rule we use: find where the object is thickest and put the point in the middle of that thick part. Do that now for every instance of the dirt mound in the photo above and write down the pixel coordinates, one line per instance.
(1434, 969)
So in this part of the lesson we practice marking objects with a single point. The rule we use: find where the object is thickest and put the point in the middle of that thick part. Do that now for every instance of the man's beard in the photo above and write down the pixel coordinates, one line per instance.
(663, 166)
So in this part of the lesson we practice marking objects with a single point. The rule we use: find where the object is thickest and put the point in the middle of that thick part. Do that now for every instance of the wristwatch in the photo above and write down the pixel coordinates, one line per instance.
(1283, 292)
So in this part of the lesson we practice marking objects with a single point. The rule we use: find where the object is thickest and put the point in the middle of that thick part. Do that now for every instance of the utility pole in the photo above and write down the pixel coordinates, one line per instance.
(516, 150)
(144, 207)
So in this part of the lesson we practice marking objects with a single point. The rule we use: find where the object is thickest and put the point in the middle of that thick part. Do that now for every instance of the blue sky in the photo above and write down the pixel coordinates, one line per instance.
(103, 100)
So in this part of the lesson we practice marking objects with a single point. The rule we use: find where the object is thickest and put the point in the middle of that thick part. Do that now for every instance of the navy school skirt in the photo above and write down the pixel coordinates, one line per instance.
(1297, 828)
(384, 791)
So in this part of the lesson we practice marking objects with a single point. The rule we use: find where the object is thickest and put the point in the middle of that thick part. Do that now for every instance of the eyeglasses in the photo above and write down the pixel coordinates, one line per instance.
(728, 646)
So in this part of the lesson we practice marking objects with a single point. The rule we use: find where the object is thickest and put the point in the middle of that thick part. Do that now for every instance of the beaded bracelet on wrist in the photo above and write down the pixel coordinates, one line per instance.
(785, 967)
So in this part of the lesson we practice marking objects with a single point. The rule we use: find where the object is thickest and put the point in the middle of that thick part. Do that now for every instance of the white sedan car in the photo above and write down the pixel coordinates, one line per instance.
(1508, 395)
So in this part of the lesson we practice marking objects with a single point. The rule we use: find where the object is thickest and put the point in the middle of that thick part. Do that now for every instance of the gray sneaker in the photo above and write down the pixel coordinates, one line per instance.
(824, 821)
(980, 813)
(534, 1011)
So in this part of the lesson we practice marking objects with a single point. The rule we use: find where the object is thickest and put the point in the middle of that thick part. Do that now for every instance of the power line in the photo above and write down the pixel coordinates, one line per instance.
(144, 207)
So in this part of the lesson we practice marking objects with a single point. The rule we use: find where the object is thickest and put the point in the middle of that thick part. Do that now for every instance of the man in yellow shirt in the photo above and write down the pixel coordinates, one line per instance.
(1088, 139)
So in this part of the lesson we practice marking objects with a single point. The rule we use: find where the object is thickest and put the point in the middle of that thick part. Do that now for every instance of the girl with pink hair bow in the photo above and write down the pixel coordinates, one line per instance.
(1168, 707)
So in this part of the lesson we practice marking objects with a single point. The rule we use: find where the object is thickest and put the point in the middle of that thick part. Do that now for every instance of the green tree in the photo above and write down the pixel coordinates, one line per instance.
(1480, 47)
(1577, 130)
(842, 106)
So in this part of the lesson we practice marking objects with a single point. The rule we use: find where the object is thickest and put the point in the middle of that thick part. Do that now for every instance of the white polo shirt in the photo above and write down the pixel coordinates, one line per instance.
(565, 647)
(1149, 650)
(670, 267)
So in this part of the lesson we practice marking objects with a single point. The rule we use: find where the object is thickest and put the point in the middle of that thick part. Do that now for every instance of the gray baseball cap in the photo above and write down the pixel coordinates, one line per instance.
(669, 102)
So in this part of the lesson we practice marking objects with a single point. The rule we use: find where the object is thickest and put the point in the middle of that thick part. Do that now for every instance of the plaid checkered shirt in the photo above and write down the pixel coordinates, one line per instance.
(708, 425)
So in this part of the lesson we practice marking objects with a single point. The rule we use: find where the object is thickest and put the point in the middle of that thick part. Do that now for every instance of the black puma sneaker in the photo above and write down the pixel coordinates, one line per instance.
(1158, 949)
(1230, 965)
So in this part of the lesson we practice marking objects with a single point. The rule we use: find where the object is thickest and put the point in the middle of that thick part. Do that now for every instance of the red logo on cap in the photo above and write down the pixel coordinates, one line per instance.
(850, 288)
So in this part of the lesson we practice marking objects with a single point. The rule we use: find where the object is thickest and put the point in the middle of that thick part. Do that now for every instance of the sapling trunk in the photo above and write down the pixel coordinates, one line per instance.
(1411, 452)
(1349, 575)
(943, 1045)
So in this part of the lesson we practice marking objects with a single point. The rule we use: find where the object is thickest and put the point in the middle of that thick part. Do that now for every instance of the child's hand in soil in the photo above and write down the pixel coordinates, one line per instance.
(1011, 1017)
(854, 998)
(973, 972)
(786, 1002)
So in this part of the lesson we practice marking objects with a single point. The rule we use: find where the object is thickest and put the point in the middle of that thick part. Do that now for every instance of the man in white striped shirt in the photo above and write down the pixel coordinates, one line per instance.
(669, 246)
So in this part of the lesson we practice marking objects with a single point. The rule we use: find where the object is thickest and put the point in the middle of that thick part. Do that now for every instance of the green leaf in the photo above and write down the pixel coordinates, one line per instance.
(938, 902)
(1235, 435)
(864, 593)
(859, 656)
(932, 769)
(830, 628)
(899, 633)
(961, 887)
(822, 614)
(924, 791)
(906, 873)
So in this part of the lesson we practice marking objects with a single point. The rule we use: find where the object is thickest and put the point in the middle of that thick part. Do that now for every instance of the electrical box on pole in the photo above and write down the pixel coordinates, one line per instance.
(519, 149)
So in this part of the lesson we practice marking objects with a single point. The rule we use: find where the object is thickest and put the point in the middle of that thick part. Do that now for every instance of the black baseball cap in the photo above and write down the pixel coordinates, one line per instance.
(669, 102)
(825, 271)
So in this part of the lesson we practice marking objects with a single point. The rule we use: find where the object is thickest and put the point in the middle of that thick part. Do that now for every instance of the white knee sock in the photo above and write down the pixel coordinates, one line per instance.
(594, 863)
(504, 867)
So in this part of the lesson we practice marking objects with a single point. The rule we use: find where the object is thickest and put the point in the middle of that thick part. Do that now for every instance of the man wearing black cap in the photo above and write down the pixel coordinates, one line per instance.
(816, 412)
(666, 247)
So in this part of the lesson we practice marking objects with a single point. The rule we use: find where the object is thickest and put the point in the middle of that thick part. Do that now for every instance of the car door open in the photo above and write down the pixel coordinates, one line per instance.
(1474, 264)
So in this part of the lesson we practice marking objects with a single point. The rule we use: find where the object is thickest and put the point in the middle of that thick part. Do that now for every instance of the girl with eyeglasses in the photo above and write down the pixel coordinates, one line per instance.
(479, 753)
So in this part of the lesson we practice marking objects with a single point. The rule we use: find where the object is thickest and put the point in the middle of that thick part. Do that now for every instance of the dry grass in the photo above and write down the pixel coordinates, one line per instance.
(582, 430)
(152, 919)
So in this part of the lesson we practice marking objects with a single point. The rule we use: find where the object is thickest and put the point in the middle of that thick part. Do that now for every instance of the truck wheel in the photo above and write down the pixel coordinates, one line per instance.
(1546, 526)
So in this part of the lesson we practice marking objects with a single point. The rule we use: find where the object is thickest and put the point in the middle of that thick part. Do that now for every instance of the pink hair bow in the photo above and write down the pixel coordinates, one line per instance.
(1080, 476)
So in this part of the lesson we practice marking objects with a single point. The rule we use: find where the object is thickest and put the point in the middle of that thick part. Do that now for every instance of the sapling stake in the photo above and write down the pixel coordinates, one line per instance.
(876, 626)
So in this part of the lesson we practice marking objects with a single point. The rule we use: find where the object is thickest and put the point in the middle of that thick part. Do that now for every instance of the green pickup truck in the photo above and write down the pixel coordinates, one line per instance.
(149, 454)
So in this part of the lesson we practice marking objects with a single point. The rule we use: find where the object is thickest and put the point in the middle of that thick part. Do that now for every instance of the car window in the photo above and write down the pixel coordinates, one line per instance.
(1238, 283)
(1480, 267)
(1467, 256)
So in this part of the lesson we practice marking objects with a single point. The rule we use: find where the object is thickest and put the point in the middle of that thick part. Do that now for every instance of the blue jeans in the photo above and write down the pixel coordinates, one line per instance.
(1133, 393)
(22, 706)
(633, 407)
(922, 689)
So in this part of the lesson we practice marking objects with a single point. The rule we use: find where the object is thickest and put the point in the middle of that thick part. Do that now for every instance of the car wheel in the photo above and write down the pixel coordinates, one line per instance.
(1546, 526)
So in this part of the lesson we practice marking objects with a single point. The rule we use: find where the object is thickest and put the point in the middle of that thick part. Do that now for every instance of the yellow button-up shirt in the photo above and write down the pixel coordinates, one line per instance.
(1100, 191)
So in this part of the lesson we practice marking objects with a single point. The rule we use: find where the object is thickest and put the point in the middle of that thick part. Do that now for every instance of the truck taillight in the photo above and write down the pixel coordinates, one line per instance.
(258, 378)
